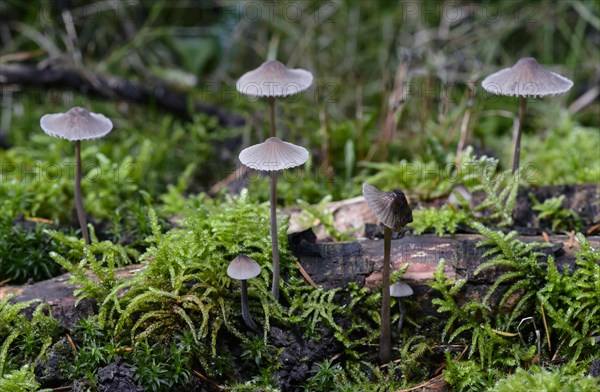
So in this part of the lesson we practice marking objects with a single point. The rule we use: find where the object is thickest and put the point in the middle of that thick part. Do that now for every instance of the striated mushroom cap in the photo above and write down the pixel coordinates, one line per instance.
(243, 268)
(400, 289)
(391, 208)
(527, 78)
(273, 154)
(273, 79)
(76, 124)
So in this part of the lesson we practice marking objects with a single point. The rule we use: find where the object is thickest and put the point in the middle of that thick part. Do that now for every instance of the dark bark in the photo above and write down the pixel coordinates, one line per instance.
(336, 264)
(111, 87)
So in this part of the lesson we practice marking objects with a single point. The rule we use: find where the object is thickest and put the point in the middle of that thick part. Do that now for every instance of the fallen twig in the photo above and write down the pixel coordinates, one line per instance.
(208, 380)
(112, 87)
(305, 275)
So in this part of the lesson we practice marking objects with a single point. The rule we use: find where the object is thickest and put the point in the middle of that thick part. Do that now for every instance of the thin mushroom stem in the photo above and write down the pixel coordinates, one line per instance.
(402, 314)
(385, 338)
(245, 310)
(77, 191)
(517, 134)
(273, 201)
(274, 239)
(272, 104)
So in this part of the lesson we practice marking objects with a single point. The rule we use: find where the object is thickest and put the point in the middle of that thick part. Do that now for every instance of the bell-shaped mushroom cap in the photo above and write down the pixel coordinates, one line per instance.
(527, 78)
(76, 124)
(273, 79)
(243, 268)
(391, 208)
(273, 154)
(400, 289)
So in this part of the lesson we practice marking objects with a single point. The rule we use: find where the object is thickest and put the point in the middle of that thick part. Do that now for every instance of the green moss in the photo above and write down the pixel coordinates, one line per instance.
(24, 339)
(552, 380)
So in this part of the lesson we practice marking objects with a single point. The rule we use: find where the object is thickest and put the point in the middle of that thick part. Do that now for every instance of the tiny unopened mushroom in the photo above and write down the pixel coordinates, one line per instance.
(76, 125)
(527, 78)
(393, 210)
(400, 290)
(243, 268)
(273, 79)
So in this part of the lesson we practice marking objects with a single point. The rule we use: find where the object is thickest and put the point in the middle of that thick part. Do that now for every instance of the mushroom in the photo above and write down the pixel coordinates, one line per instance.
(399, 290)
(273, 79)
(392, 209)
(273, 155)
(527, 78)
(76, 125)
(243, 268)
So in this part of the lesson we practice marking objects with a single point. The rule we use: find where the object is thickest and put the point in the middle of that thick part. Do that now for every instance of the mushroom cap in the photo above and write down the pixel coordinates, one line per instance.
(243, 268)
(527, 78)
(76, 124)
(391, 208)
(273, 79)
(273, 154)
(400, 289)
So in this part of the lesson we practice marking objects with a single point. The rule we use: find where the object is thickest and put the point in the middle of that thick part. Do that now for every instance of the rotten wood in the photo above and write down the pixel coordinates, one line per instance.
(58, 293)
(110, 87)
(336, 264)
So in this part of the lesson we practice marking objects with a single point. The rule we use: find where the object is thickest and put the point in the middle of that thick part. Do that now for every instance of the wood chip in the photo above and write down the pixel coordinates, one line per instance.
(593, 228)
(571, 239)
(545, 236)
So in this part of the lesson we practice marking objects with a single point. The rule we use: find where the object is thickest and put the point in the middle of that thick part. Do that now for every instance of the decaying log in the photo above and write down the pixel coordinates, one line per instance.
(58, 293)
(336, 264)
(111, 87)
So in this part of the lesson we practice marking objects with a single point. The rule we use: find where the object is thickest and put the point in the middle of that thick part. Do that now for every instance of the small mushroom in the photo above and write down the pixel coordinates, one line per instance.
(273, 79)
(399, 290)
(76, 125)
(393, 210)
(527, 78)
(243, 268)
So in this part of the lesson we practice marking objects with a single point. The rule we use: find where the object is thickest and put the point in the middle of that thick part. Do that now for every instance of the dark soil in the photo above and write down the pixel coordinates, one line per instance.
(300, 353)
(117, 376)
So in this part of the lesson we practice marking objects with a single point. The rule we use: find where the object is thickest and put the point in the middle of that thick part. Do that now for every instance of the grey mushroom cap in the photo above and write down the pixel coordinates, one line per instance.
(273, 154)
(400, 289)
(273, 79)
(527, 78)
(391, 208)
(76, 124)
(243, 268)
